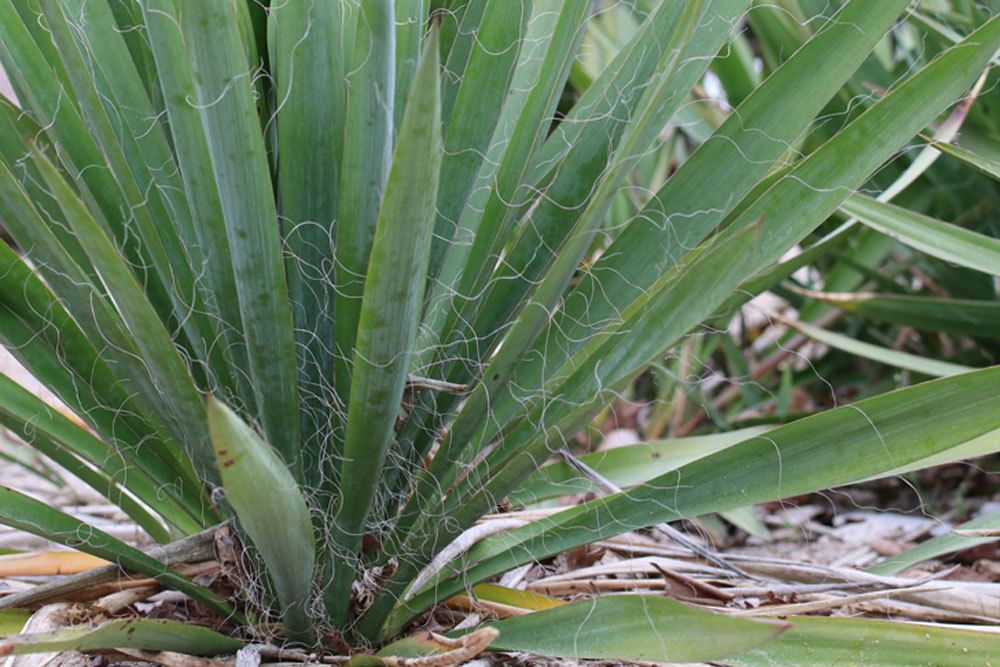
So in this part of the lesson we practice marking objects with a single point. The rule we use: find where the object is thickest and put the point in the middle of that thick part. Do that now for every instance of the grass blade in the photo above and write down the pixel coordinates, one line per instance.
(939, 546)
(938, 239)
(883, 355)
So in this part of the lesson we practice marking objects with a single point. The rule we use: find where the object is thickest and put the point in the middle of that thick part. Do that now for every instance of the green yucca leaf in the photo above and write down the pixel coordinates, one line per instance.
(223, 84)
(625, 466)
(854, 153)
(280, 527)
(410, 18)
(44, 89)
(412, 284)
(365, 169)
(77, 450)
(938, 239)
(98, 63)
(988, 164)
(40, 333)
(89, 306)
(174, 384)
(35, 517)
(499, 189)
(134, 633)
(679, 308)
(633, 627)
(961, 316)
(831, 448)
(884, 355)
(543, 255)
(309, 46)
(469, 120)
(687, 209)
(387, 326)
(190, 144)
(839, 641)
(565, 214)
(654, 243)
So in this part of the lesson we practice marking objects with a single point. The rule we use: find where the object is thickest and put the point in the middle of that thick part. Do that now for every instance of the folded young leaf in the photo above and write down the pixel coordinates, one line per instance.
(279, 526)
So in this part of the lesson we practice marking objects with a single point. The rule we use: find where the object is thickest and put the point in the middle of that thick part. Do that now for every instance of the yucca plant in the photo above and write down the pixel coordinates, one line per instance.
(349, 273)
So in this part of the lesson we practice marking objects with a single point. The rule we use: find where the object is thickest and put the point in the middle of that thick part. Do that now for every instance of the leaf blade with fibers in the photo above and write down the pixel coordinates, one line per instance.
(828, 449)
(135, 633)
(554, 236)
(365, 168)
(39, 332)
(33, 516)
(550, 243)
(387, 326)
(499, 189)
(88, 305)
(632, 628)
(410, 18)
(307, 43)
(801, 199)
(470, 122)
(652, 244)
(683, 305)
(68, 445)
(129, 164)
(172, 378)
(936, 238)
(280, 528)
(222, 79)
(187, 132)
(43, 93)
(625, 466)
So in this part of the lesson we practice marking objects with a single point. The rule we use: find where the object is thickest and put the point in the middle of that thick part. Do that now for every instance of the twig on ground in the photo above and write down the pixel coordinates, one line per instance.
(666, 529)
